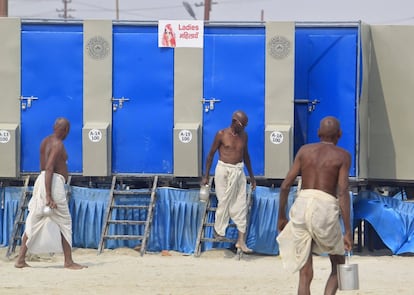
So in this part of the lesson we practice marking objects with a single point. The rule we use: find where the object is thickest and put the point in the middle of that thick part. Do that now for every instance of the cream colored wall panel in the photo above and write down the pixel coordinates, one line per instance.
(391, 103)
(10, 85)
(97, 95)
(188, 111)
(279, 94)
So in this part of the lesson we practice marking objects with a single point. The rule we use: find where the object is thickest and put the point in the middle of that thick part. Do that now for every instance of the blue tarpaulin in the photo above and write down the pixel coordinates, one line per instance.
(177, 217)
(391, 218)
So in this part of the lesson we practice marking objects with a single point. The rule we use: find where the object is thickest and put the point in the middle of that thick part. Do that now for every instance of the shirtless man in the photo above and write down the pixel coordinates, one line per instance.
(49, 190)
(230, 180)
(324, 168)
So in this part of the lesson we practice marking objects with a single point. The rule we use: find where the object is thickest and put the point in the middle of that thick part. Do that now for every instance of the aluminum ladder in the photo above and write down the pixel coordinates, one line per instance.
(21, 214)
(117, 193)
(205, 223)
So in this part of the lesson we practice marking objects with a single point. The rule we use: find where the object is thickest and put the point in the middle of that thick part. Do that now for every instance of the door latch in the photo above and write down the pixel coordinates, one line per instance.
(311, 103)
(118, 103)
(26, 101)
(208, 104)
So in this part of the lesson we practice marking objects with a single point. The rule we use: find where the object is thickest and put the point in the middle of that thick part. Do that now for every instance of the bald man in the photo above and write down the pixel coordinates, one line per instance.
(314, 225)
(50, 233)
(230, 180)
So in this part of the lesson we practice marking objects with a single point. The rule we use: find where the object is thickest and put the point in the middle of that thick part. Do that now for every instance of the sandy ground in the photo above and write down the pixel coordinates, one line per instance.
(124, 271)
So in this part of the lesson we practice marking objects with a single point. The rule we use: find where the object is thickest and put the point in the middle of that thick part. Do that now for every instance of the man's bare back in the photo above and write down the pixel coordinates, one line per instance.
(324, 167)
(321, 163)
(52, 146)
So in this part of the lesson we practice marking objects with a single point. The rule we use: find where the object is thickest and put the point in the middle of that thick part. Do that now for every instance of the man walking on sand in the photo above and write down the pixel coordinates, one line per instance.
(314, 225)
(49, 192)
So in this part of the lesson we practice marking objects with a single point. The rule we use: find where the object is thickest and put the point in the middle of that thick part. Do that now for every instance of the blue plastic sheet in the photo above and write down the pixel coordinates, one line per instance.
(10, 197)
(177, 218)
(87, 207)
(263, 219)
(391, 218)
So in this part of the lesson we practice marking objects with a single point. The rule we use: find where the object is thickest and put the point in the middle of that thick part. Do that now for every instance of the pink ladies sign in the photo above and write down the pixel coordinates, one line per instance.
(175, 33)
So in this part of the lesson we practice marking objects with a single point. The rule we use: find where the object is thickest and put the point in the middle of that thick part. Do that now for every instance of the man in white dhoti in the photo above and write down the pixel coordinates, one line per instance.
(314, 225)
(49, 224)
(230, 180)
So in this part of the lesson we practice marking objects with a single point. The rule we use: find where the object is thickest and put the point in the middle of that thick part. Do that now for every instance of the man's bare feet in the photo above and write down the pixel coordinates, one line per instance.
(218, 237)
(74, 265)
(243, 247)
(20, 264)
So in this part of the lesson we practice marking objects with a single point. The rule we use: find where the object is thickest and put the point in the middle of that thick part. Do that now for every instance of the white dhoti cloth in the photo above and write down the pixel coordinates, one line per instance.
(313, 227)
(44, 232)
(230, 184)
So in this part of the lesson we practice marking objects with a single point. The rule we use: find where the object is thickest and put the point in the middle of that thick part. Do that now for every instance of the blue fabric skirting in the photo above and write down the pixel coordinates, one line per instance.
(177, 218)
(390, 217)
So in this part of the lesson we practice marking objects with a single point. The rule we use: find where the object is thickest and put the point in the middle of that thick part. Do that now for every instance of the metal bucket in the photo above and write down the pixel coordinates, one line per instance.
(348, 278)
(204, 193)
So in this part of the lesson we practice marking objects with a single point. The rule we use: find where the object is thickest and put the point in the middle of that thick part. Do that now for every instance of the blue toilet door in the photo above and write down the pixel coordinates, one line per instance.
(143, 74)
(326, 84)
(234, 79)
(51, 87)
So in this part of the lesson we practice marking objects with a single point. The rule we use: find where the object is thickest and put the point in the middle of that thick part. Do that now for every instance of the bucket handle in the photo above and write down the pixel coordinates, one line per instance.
(348, 257)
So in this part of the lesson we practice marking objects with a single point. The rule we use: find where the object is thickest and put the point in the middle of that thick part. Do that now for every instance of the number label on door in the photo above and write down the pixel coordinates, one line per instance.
(4, 136)
(95, 135)
(276, 137)
(185, 136)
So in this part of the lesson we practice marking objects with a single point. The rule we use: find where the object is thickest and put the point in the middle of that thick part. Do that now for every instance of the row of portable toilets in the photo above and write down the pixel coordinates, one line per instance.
(136, 108)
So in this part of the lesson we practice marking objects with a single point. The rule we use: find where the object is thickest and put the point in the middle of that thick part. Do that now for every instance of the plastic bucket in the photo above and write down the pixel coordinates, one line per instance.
(348, 278)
